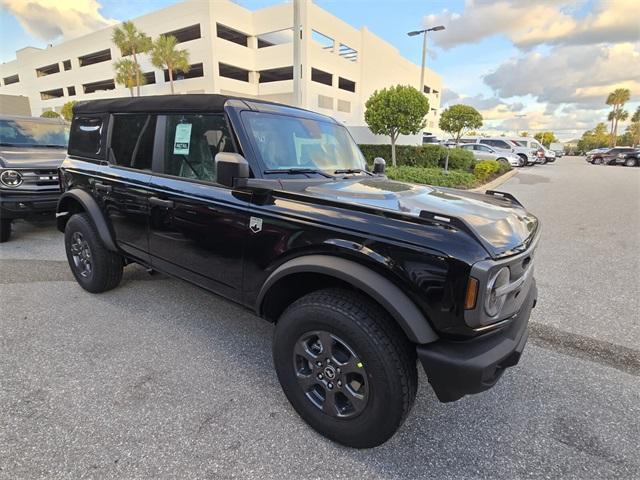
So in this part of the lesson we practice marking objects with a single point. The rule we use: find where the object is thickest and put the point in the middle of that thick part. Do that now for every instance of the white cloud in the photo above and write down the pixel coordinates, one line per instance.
(528, 24)
(570, 74)
(53, 19)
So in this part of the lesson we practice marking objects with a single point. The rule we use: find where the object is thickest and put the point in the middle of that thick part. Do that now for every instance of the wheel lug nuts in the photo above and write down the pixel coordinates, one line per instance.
(319, 364)
(338, 370)
(320, 376)
(339, 383)
(330, 385)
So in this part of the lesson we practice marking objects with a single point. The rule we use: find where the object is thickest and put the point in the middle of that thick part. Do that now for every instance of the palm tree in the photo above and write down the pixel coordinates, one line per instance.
(131, 41)
(128, 74)
(164, 55)
(617, 99)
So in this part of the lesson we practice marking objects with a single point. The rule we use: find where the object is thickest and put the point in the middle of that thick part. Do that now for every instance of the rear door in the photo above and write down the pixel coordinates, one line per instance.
(198, 227)
(483, 152)
(122, 185)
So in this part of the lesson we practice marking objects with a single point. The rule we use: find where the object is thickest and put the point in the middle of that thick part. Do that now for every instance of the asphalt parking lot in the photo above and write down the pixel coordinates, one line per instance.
(158, 379)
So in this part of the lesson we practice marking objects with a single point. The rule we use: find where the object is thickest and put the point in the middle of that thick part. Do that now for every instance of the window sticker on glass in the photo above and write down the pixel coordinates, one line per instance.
(182, 139)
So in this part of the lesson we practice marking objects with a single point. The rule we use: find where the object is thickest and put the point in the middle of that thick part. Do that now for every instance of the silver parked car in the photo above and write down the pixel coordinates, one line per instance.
(485, 152)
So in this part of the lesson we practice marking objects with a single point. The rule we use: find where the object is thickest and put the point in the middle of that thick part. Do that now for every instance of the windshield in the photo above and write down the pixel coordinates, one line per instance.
(33, 133)
(283, 143)
(519, 143)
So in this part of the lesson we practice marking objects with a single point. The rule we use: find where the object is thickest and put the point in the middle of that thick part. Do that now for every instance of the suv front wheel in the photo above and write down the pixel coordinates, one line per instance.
(95, 268)
(345, 366)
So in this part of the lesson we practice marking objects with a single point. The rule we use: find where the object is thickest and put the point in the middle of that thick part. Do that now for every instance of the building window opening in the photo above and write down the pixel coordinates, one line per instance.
(11, 79)
(321, 77)
(149, 78)
(196, 70)
(185, 34)
(100, 86)
(49, 94)
(232, 35)
(347, 85)
(95, 57)
(279, 37)
(235, 73)
(71, 91)
(276, 74)
(322, 40)
(67, 65)
(348, 53)
(47, 70)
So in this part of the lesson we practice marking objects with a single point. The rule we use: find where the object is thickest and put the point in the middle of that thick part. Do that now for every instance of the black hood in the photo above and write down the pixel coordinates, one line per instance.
(32, 157)
(502, 225)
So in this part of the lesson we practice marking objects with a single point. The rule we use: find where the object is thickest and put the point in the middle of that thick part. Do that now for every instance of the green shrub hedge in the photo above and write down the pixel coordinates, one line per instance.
(428, 156)
(432, 176)
(484, 169)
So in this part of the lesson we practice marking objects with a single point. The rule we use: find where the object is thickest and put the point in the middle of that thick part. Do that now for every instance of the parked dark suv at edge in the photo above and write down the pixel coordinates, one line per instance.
(31, 150)
(608, 157)
(272, 207)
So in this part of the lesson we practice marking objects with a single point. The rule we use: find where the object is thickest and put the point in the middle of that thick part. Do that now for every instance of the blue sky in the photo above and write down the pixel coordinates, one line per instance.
(525, 65)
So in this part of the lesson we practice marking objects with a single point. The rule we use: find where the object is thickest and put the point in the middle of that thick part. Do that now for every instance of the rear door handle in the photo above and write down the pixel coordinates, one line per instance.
(101, 187)
(158, 202)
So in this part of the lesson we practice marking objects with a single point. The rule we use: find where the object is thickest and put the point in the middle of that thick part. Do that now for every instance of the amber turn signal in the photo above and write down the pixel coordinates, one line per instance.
(471, 295)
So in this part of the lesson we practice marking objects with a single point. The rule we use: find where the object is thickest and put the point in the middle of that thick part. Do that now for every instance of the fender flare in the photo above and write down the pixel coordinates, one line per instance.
(90, 206)
(395, 301)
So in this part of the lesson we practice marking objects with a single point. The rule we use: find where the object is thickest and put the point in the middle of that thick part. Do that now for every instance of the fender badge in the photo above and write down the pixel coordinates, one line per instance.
(255, 224)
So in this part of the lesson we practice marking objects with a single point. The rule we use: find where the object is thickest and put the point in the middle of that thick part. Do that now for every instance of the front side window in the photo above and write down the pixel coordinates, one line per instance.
(33, 133)
(284, 142)
(192, 143)
(132, 141)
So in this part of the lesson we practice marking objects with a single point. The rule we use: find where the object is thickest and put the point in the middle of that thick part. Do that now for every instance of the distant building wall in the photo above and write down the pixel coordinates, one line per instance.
(14, 105)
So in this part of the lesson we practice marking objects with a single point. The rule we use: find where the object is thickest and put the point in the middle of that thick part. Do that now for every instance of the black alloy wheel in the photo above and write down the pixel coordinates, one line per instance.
(81, 255)
(345, 366)
(331, 374)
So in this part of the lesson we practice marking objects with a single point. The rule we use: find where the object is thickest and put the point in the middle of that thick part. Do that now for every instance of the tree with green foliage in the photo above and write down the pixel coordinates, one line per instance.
(596, 138)
(524, 134)
(634, 128)
(132, 42)
(50, 114)
(128, 74)
(617, 99)
(165, 55)
(394, 111)
(545, 138)
(457, 119)
(67, 110)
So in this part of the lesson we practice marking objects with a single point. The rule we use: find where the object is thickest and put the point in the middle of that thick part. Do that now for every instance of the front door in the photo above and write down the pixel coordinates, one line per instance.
(197, 227)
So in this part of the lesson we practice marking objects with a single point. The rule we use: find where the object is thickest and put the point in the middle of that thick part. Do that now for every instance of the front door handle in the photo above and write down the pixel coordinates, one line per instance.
(158, 202)
(101, 187)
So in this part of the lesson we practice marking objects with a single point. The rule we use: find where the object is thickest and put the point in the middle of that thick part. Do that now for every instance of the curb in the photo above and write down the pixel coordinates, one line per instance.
(496, 182)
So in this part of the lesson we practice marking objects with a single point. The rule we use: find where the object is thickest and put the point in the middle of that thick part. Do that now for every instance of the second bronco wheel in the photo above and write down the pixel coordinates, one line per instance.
(346, 368)
(96, 269)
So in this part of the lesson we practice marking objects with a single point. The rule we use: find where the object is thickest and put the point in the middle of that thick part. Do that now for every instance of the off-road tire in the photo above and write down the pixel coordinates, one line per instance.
(5, 229)
(387, 356)
(107, 266)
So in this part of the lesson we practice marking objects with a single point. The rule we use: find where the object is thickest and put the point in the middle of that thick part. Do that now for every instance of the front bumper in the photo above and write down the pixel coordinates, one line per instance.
(15, 204)
(456, 369)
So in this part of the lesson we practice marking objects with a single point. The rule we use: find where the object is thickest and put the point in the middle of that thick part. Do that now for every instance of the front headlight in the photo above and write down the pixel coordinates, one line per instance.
(10, 178)
(493, 302)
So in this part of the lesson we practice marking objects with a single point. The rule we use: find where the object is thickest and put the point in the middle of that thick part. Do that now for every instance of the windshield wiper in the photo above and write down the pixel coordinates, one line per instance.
(300, 170)
(353, 170)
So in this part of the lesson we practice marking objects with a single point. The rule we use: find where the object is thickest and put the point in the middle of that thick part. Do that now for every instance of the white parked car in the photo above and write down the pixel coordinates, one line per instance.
(485, 152)
(541, 154)
(528, 155)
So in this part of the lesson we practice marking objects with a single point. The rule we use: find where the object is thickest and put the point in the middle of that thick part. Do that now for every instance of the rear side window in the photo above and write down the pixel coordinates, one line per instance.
(87, 136)
(132, 141)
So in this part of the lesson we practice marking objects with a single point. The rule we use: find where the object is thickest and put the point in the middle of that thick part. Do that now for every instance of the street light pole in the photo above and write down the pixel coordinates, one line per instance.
(424, 49)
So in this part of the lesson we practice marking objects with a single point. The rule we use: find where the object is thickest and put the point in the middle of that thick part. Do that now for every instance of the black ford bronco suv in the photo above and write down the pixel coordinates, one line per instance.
(273, 207)
(31, 150)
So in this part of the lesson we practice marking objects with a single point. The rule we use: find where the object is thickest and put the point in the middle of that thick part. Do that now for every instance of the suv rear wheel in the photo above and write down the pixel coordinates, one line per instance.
(630, 162)
(346, 368)
(96, 268)
(5, 229)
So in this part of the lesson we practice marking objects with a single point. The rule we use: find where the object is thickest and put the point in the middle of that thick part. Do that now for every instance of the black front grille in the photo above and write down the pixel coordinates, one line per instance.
(39, 179)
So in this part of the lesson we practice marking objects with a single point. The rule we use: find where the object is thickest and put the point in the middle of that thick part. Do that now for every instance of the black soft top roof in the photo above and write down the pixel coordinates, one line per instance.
(188, 103)
(155, 103)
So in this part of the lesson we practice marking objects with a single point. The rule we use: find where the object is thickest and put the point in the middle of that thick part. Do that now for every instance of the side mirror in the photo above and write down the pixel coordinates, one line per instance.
(378, 165)
(229, 167)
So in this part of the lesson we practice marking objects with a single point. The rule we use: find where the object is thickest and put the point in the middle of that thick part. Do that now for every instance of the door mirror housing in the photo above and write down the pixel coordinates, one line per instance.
(229, 167)
(379, 165)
